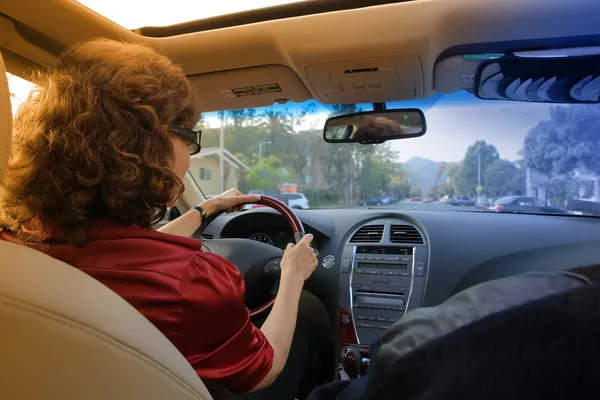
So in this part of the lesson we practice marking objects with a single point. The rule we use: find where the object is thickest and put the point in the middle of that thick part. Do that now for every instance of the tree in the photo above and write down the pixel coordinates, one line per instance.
(503, 178)
(266, 174)
(466, 179)
(568, 142)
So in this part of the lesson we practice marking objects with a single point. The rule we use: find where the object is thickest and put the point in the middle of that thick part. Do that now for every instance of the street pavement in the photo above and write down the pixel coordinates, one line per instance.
(418, 205)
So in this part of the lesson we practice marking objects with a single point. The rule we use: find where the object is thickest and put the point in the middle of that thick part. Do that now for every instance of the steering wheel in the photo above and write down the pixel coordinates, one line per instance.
(256, 261)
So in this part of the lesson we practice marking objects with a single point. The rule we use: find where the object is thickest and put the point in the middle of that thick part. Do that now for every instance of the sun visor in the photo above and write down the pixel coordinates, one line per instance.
(539, 79)
(248, 88)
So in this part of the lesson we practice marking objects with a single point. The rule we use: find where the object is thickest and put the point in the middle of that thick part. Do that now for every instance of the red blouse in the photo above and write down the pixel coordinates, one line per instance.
(195, 299)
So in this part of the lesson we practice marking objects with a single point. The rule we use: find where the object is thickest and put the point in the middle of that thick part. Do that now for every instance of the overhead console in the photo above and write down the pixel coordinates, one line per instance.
(367, 80)
(384, 268)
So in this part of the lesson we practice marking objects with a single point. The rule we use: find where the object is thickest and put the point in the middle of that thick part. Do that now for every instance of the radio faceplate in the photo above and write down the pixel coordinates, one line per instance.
(380, 282)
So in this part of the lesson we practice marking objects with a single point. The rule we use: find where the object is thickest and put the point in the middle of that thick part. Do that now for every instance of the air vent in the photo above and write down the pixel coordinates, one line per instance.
(405, 234)
(206, 236)
(368, 234)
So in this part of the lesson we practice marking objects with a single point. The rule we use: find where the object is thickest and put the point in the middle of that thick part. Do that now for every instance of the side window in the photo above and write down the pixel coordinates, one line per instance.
(525, 202)
(19, 90)
(540, 203)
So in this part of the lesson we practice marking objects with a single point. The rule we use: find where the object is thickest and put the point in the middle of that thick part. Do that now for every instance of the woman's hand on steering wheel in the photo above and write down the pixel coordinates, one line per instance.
(228, 201)
(299, 259)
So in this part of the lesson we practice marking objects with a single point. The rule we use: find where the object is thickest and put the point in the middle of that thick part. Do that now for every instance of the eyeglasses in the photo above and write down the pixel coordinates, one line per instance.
(193, 138)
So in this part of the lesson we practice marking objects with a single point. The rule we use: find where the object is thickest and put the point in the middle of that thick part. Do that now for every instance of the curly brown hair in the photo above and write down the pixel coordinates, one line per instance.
(94, 141)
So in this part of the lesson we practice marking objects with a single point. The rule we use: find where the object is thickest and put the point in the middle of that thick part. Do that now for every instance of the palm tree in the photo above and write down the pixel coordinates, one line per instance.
(275, 122)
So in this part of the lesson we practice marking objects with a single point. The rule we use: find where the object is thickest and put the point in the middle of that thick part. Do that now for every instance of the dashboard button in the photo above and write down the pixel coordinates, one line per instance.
(360, 257)
(356, 285)
(405, 258)
(360, 317)
(421, 264)
(346, 262)
(405, 273)
(395, 273)
(381, 280)
(328, 261)
(345, 270)
(359, 271)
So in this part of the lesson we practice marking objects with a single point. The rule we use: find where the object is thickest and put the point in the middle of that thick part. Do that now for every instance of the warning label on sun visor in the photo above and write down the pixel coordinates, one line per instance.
(251, 90)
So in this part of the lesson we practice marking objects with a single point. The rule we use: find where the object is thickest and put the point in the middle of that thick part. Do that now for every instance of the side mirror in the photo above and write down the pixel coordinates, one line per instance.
(375, 126)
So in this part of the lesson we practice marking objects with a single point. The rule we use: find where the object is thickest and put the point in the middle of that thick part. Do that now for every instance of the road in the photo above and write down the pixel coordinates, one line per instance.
(417, 205)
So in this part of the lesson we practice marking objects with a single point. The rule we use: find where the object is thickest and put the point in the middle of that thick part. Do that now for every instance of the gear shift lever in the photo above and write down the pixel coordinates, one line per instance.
(351, 358)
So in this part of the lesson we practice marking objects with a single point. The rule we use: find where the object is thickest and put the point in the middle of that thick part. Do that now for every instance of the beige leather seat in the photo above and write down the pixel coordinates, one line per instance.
(65, 336)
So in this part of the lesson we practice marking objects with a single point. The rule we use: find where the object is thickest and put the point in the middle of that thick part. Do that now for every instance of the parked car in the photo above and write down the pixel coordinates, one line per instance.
(427, 200)
(385, 200)
(523, 204)
(463, 201)
(484, 203)
(371, 201)
(295, 200)
(448, 200)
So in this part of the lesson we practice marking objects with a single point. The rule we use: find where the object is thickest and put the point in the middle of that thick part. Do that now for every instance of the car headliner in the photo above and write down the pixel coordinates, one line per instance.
(423, 29)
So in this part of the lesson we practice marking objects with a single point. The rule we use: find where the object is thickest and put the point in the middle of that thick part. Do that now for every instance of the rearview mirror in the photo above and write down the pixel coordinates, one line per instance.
(375, 126)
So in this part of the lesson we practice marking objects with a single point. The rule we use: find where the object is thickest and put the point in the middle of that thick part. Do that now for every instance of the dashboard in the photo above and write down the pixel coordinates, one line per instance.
(385, 262)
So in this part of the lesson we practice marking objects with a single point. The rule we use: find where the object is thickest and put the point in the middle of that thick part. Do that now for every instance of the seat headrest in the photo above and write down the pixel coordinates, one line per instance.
(5, 119)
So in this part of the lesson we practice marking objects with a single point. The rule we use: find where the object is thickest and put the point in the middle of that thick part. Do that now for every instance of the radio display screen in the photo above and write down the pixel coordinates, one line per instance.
(396, 301)
(383, 266)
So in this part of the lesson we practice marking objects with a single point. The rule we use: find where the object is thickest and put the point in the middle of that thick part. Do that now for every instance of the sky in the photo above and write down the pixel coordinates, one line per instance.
(454, 122)
(133, 14)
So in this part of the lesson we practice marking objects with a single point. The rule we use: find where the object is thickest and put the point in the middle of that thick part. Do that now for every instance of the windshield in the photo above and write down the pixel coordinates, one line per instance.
(473, 150)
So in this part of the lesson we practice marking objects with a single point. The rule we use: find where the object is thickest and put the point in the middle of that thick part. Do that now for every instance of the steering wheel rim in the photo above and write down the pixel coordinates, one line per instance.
(297, 229)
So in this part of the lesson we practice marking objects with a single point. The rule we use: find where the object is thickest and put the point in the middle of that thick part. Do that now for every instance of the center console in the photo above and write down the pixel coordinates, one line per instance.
(384, 268)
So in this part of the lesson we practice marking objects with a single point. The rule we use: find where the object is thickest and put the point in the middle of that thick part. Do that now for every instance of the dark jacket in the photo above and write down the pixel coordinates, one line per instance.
(524, 337)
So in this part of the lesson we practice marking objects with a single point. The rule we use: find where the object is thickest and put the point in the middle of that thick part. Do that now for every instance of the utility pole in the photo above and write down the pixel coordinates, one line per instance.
(222, 153)
(351, 169)
(478, 174)
(260, 145)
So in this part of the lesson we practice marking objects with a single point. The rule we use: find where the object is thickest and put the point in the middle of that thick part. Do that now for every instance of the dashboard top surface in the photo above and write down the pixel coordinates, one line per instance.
(465, 247)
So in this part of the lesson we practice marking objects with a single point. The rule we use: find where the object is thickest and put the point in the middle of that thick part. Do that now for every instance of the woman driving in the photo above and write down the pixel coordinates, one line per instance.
(100, 151)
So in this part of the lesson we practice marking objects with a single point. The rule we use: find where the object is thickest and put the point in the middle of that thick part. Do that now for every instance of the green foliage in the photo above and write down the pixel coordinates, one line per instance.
(503, 178)
(465, 179)
(267, 174)
(570, 140)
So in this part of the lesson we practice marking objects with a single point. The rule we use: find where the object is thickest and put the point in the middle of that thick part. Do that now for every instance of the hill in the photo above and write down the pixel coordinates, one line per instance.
(421, 171)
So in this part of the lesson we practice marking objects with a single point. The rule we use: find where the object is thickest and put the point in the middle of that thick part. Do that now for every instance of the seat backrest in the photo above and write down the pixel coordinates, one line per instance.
(63, 335)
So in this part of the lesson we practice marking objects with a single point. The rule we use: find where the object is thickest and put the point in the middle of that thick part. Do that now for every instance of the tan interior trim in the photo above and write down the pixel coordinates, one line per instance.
(423, 29)
(12, 40)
